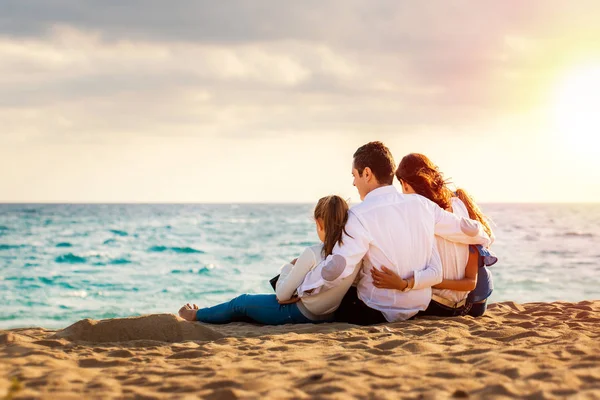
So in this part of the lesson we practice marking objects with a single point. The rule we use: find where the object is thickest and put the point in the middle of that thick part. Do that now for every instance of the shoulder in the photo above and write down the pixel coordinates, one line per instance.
(313, 252)
(374, 202)
(459, 208)
(418, 201)
(410, 202)
(417, 198)
(316, 249)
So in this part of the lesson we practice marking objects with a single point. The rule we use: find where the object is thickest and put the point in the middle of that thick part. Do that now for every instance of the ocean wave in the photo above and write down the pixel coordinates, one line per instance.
(577, 234)
(585, 263)
(20, 279)
(119, 233)
(181, 250)
(10, 246)
(55, 281)
(120, 261)
(3, 228)
(64, 244)
(253, 257)
(218, 291)
(47, 281)
(200, 271)
(528, 282)
(301, 244)
(66, 285)
(558, 252)
(70, 258)
(109, 241)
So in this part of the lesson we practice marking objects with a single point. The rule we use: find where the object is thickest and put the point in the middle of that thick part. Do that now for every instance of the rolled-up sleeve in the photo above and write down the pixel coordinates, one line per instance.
(432, 274)
(458, 229)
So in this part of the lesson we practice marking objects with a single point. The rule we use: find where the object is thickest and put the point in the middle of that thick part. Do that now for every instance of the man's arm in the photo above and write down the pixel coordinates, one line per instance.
(342, 262)
(458, 229)
(432, 274)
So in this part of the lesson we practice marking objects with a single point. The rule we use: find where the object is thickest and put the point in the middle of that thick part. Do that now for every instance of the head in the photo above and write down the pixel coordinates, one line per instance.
(372, 167)
(331, 215)
(417, 174)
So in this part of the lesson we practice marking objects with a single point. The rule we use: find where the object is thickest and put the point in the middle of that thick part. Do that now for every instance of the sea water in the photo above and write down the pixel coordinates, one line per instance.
(60, 263)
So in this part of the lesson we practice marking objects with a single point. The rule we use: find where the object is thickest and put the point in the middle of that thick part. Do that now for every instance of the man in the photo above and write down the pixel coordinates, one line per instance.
(392, 230)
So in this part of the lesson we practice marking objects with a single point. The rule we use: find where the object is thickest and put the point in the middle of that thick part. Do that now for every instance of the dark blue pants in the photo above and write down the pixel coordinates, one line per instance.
(439, 310)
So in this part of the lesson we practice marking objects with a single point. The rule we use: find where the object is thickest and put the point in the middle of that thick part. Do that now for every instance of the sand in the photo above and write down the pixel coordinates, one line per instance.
(534, 351)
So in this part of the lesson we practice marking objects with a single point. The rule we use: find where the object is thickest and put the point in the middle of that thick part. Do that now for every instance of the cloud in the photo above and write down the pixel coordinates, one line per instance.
(91, 91)
(258, 67)
(77, 81)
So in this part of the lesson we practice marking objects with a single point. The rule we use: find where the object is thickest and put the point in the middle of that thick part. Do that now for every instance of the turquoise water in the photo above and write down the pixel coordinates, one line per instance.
(62, 263)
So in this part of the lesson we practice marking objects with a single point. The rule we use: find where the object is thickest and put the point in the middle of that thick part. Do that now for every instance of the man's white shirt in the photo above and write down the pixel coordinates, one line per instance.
(396, 231)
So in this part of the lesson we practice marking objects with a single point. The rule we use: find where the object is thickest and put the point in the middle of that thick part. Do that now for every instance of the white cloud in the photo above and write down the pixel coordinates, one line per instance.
(87, 92)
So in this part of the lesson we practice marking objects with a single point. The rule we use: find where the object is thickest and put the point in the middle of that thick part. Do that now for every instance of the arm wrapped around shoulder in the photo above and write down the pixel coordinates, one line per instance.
(459, 229)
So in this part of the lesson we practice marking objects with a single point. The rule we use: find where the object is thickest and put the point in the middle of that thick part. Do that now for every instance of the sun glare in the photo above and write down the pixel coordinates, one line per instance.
(576, 110)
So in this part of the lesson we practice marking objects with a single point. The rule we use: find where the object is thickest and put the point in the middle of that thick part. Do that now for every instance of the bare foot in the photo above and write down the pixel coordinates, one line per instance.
(188, 312)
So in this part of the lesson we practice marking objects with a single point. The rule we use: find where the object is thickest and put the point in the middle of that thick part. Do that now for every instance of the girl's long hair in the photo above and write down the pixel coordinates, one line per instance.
(426, 179)
(333, 210)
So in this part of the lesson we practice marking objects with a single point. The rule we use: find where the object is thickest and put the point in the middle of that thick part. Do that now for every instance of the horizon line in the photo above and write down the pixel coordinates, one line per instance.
(255, 202)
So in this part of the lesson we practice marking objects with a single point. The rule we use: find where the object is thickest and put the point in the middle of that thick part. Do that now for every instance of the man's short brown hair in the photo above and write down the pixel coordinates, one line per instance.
(378, 158)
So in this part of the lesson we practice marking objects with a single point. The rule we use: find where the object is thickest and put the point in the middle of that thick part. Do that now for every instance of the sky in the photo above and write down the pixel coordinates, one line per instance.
(266, 101)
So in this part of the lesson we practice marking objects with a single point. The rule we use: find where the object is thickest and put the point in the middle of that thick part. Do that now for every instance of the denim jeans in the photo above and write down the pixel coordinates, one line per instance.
(259, 308)
(478, 309)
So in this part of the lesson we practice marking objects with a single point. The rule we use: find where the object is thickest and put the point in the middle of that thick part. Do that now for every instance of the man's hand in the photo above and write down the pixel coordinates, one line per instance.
(387, 279)
(293, 300)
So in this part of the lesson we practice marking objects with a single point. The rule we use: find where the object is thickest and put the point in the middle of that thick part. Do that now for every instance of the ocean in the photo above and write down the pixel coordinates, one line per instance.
(60, 263)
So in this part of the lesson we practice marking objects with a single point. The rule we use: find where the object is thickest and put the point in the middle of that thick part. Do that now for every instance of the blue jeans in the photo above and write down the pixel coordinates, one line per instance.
(477, 309)
(260, 308)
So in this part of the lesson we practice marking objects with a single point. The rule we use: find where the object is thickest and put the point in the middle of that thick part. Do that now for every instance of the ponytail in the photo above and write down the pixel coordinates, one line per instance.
(475, 212)
(333, 210)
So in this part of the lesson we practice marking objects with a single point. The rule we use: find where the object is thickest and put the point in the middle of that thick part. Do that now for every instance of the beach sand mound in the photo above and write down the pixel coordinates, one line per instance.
(534, 350)
(157, 327)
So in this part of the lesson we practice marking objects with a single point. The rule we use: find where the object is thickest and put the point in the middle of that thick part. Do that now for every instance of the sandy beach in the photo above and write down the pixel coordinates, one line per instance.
(533, 350)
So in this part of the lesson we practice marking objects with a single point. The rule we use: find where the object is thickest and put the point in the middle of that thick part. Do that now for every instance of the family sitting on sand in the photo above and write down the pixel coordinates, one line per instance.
(390, 258)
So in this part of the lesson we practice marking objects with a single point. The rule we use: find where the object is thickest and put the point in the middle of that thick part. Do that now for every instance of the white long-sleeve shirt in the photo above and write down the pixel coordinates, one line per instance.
(291, 276)
(397, 231)
(454, 257)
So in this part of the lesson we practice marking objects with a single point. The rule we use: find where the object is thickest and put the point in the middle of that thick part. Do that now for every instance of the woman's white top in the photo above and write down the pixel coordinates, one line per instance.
(320, 305)
(454, 257)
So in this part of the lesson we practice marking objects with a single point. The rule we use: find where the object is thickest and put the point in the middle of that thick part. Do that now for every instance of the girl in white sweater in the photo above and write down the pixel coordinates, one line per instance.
(284, 307)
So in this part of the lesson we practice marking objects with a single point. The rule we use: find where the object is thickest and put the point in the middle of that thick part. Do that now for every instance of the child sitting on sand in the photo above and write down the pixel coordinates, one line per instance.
(284, 307)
